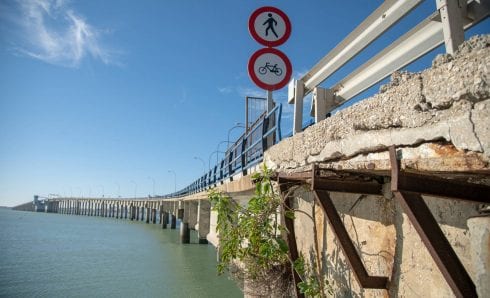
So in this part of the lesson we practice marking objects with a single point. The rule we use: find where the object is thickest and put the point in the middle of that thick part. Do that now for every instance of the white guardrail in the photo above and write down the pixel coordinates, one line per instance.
(446, 25)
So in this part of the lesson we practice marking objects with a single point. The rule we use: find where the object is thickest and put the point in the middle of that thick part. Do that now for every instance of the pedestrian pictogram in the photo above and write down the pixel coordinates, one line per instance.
(269, 26)
(270, 69)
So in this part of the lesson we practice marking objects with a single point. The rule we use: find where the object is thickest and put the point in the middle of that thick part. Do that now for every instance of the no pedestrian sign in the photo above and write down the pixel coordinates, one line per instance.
(269, 26)
(270, 69)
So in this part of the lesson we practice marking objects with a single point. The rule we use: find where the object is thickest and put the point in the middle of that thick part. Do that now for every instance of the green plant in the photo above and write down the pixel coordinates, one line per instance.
(251, 234)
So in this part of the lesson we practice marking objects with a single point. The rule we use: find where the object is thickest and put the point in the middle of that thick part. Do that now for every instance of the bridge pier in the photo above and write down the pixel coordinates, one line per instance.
(154, 215)
(184, 222)
(203, 218)
(148, 214)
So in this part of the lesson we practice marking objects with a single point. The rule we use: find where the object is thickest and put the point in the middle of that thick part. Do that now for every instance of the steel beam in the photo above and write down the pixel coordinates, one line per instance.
(363, 278)
(291, 237)
(435, 186)
(428, 229)
(437, 244)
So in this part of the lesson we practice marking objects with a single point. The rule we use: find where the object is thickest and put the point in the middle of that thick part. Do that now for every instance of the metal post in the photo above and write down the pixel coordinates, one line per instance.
(452, 23)
(298, 106)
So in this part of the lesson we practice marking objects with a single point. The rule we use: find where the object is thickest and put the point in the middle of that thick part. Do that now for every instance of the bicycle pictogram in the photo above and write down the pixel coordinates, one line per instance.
(271, 68)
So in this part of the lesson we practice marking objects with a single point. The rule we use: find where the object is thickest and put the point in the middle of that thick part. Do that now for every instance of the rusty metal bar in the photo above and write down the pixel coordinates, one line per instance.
(291, 237)
(369, 188)
(355, 262)
(425, 224)
(435, 186)
(436, 242)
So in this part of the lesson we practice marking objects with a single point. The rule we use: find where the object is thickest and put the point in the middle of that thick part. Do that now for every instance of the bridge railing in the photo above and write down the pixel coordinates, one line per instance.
(446, 25)
(245, 153)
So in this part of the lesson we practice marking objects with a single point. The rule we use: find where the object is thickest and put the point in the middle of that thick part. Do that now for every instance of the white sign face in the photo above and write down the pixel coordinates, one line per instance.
(270, 69)
(269, 26)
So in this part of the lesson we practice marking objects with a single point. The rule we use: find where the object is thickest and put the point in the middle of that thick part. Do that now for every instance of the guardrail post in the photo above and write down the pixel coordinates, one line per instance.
(323, 101)
(451, 12)
(298, 89)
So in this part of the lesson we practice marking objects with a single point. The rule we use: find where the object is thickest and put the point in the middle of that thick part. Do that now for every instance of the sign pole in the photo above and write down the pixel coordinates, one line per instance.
(270, 101)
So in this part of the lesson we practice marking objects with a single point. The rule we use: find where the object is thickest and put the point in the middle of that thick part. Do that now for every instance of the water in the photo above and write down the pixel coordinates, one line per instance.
(54, 255)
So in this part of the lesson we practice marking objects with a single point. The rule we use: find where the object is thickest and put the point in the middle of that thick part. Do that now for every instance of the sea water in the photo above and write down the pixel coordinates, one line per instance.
(55, 255)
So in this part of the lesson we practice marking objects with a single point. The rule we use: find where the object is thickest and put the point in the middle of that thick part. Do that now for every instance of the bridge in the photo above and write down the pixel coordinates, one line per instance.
(400, 178)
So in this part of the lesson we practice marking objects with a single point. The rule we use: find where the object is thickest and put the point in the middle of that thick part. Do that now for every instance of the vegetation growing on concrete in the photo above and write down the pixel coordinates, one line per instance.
(252, 246)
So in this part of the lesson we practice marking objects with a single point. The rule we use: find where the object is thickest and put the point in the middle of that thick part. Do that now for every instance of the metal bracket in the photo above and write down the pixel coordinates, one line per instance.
(321, 186)
(291, 236)
(408, 193)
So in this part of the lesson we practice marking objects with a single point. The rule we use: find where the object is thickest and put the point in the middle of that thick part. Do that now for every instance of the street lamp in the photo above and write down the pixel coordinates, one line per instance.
(203, 163)
(135, 188)
(238, 124)
(209, 160)
(175, 179)
(153, 184)
(217, 148)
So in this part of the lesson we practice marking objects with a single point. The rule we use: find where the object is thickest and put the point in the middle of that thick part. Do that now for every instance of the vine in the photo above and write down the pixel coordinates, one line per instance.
(252, 244)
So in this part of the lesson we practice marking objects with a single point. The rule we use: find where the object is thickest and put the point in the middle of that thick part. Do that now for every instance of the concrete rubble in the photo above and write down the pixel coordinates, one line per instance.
(448, 103)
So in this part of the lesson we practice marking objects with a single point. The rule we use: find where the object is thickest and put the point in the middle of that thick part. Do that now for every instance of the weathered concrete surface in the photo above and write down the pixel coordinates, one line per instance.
(439, 121)
(449, 102)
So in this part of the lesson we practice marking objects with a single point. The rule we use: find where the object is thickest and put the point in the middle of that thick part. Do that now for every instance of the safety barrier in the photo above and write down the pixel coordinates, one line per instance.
(245, 153)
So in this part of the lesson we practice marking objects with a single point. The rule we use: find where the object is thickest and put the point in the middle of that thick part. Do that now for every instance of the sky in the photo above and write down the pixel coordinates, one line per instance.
(114, 97)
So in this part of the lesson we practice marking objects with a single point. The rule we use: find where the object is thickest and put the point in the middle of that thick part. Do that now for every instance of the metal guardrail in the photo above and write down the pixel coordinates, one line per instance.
(446, 25)
(245, 153)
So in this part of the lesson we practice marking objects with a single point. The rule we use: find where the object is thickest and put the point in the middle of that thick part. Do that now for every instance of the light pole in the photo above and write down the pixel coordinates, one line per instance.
(238, 124)
(203, 163)
(209, 160)
(135, 188)
(153, 184)
(217, 149)
(175, 179)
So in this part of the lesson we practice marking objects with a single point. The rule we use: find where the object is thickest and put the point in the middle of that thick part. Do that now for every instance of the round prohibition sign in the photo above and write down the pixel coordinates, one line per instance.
(270, 69)
(269, 26)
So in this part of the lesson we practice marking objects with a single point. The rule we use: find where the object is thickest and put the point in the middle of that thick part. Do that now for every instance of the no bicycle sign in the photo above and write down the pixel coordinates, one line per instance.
(270, 69)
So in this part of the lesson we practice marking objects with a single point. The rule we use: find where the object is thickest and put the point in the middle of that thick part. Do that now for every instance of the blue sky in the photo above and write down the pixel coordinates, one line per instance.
(108, 96)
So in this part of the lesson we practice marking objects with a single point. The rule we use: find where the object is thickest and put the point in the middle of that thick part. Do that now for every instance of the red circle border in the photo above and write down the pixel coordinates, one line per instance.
(251, 27)
(257, 81)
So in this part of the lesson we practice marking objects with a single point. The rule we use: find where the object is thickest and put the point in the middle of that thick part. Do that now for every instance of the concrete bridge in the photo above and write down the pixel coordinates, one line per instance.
(393, 191)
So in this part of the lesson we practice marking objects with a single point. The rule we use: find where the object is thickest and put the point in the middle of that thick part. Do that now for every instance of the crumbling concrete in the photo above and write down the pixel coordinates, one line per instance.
(449, 102)
(439, 121)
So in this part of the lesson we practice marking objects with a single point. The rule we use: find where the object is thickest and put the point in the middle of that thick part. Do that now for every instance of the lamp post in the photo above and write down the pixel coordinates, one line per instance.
(238, 124)
(135, 188)
(209, 161)
(175, 179)
(153, 184)
(217, 148)
(203, 163)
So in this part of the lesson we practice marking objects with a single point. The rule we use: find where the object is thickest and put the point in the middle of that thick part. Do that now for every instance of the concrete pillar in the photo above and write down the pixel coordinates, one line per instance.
(479, 228)
(184, 232)
(117, 210)
(138, 212)
(125, 211)
(164, 219)
(148, 214)
(173, 221)
(204, 219)
(131, 212)
(154, 215)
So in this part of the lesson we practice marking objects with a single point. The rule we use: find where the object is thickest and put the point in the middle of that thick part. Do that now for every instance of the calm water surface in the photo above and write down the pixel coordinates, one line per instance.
(54, 255)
